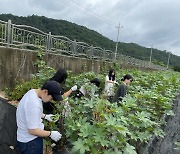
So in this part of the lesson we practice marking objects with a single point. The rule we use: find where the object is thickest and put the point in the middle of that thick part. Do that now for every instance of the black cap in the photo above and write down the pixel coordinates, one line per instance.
(54, 89)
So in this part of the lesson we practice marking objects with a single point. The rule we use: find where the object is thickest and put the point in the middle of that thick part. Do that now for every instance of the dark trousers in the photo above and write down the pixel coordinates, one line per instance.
(32, 147)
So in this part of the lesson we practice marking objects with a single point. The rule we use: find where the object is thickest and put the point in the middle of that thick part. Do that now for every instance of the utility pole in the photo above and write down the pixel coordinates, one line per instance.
(168, 60)
(151, 54)
(117, 39)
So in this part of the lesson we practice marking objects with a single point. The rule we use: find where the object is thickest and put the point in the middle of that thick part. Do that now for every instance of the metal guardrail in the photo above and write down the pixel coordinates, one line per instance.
(27, 37)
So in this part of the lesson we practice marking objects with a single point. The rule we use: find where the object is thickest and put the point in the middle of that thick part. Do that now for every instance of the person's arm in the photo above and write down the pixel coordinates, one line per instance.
(67, 93)
(32, 116)
(43, 116)
(54, 135)
(74, 88)
(108, 81)
(39, 132)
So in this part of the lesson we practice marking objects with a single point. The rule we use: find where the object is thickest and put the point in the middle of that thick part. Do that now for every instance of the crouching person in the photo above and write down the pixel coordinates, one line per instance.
(122, 89)
(29, 115)
(85, 92)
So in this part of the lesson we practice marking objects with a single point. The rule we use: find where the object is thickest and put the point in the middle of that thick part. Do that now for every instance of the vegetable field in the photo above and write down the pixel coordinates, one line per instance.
(94, 125)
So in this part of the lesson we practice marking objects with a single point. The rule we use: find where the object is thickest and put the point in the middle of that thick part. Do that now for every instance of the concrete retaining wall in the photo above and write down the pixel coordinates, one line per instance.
(16, 64)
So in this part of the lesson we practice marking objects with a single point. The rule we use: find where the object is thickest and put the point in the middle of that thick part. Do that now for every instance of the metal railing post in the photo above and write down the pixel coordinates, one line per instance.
(49, 41)
(9, 33)
(91, 54)
(74, 47)
(104, 54)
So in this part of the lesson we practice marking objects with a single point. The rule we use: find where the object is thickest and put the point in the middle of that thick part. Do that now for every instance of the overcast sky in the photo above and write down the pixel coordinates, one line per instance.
(144, 22)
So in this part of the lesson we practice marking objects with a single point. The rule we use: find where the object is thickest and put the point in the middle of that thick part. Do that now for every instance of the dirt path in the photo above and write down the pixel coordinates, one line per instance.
(3, 95)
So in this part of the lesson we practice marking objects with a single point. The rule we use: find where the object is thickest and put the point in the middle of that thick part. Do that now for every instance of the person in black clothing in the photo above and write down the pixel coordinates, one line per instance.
(121, 92)
(60, 76)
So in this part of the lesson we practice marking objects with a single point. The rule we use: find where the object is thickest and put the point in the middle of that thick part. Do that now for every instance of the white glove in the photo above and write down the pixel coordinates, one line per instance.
(55, 135)
(74, 88)
(48, 117)
(53, 145)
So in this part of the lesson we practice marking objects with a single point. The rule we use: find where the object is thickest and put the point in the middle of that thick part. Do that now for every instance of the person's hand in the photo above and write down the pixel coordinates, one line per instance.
(74, 88)
(48, 117)
(55, 135)
(96, 95)
(116, 82)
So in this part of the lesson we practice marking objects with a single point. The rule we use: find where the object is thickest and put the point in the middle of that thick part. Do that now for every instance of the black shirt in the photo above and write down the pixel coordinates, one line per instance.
(121, 92)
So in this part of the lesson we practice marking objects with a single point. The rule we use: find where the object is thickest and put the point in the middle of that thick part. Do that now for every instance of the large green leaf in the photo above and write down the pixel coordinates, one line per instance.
(80, 146)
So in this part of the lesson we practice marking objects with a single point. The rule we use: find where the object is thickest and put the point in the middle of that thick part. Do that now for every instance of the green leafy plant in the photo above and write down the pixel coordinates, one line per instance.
(94, 125)
(177, 146)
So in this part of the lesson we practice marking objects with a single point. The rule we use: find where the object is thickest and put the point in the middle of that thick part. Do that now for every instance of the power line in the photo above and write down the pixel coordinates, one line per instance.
(82, 9)
(101, 17)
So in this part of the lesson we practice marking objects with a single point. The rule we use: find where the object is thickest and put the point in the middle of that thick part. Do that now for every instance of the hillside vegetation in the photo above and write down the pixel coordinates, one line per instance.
(81, 33)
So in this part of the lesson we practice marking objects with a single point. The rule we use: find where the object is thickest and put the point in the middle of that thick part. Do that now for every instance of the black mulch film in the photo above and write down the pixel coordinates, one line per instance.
(8, 128)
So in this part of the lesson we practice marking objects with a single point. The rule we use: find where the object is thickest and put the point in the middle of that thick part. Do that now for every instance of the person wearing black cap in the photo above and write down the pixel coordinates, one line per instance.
(121, 92)
(60, 76)
(29, 115)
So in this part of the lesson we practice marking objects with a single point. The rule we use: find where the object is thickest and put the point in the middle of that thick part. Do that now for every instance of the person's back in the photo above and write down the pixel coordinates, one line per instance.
(120, 93)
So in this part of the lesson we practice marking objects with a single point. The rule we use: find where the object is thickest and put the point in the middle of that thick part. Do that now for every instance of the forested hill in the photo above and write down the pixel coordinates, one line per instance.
(81, 33)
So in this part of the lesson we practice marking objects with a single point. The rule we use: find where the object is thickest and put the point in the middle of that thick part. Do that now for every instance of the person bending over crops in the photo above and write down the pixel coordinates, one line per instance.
(121, 92)
(60, 76)
(29, 115)
(85, 90)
